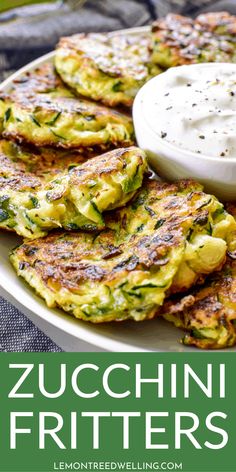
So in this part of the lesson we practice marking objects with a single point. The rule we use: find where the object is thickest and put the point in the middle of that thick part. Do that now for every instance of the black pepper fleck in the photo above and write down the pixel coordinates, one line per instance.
(232, 93)
(166, 94)
(194, 105)
(163, 134)
(201, 136)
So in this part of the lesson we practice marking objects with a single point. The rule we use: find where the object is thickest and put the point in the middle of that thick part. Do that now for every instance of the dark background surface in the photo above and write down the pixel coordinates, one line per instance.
(21, 41)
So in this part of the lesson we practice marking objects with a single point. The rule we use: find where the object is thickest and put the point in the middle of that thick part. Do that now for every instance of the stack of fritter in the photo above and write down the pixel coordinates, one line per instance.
(121, 245)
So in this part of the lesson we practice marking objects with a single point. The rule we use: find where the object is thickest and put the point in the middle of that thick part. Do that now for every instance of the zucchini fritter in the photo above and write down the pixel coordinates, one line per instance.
(209, 312)
(42, 111)
(168, 237)
(179, 40)
(106, 67)
(17, 161)
(31, 204)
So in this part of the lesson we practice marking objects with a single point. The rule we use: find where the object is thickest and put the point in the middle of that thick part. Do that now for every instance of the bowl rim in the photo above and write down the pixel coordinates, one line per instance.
(139, 105)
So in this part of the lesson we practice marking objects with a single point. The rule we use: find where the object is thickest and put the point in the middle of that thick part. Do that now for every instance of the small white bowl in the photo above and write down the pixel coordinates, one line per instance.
(217, 174)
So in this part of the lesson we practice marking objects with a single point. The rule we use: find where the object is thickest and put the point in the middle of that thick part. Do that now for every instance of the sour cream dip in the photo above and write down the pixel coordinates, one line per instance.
(195, 109)
(185, 119)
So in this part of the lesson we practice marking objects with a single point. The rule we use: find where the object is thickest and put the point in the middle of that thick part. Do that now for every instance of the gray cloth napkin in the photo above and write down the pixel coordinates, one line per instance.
(21, 42)
(18, 334)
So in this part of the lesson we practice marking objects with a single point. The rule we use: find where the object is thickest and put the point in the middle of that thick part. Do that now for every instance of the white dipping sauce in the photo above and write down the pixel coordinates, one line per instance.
(195, 109)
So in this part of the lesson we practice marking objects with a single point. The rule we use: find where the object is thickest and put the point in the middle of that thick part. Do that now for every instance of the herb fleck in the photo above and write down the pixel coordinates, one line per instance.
(57, 135)
(54, 119)
(35, 121)
(7, 114)
(117, 86)
(159, 223)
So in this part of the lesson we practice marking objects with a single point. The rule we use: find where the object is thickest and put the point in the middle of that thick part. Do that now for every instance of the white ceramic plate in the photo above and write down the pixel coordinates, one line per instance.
(66, 331)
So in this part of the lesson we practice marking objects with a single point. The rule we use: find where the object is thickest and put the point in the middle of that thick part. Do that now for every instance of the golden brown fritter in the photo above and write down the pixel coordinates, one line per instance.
(168, 237)
(201, 217)
(97, 277)
(106, 67)
(42, 111)
(208, 313)
(179, 40)
(24, 170)
(220, 23)
(75, 198)
(20, 165)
